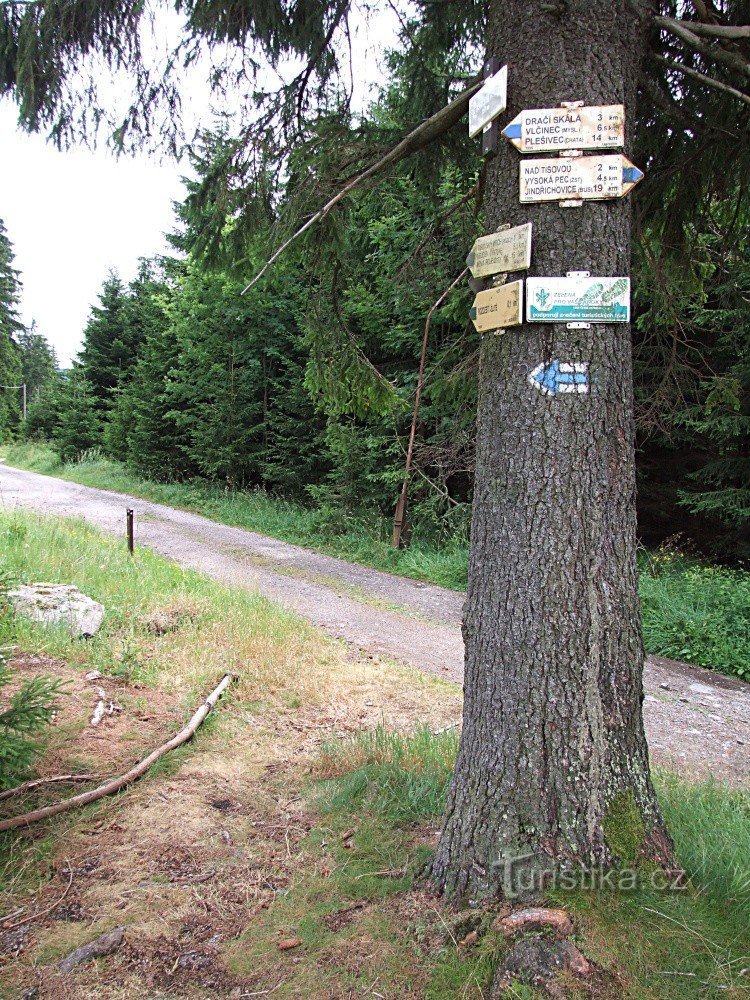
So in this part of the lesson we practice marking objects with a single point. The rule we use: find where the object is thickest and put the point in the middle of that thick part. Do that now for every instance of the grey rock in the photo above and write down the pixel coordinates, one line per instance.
(56, 603)
(105, 944)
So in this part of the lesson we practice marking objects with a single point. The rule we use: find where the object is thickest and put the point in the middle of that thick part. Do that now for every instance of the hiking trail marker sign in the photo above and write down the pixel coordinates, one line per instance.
(591, 178)
(578, 299)
(561, 376)
(498, 307)
(489, 102)
(506, 250)
(552, 130)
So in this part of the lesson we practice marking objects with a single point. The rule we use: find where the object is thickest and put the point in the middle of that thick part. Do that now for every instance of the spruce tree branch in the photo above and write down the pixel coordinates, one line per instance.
(440, 219)
(728, 31)
(717, 54)
(304, 78)
(708, 80)
(424, 134)
(665, 101)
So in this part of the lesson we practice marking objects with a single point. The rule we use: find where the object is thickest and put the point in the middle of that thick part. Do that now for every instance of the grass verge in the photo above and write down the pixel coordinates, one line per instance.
(348, 536)
(206, 629)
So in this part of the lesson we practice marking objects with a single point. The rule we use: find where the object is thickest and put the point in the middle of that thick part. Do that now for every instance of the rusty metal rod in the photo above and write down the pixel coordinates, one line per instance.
(399, 516)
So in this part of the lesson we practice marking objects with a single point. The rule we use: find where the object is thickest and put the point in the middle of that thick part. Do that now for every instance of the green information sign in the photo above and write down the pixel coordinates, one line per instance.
(578, 299)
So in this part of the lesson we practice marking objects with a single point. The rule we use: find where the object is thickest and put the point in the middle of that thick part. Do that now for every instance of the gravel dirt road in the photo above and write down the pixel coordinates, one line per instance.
(697, 721)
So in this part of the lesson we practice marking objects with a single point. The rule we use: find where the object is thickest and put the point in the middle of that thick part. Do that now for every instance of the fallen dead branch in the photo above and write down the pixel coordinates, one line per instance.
(98, 715)
(425, 133)
(116, 784)
(105, 944)
(42, 913)
(445, 729)
(263, 993)
(60, 779)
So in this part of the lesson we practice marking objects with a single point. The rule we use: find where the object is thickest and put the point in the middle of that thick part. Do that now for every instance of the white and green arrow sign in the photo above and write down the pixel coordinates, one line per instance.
(544, 130)
(578, 299)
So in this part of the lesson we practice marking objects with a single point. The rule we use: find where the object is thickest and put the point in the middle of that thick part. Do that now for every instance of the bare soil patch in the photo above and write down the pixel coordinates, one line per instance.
(200, 851)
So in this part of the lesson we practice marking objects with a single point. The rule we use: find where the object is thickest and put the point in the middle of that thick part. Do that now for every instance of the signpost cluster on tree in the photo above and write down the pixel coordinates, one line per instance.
(570, 178)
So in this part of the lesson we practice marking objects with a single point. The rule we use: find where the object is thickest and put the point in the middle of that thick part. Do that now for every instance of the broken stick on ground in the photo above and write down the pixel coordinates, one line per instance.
(116, 784)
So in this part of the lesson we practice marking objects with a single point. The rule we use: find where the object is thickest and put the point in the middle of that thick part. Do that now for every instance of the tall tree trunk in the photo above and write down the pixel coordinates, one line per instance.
(552, 769)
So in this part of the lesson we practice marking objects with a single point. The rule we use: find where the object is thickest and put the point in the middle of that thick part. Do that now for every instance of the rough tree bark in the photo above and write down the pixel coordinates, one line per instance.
(552, 770)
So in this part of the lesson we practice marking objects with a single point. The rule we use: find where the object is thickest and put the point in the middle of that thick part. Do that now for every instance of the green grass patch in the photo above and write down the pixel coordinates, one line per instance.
(691, 611)
(402, 780)
(215, 627)
(677, 945)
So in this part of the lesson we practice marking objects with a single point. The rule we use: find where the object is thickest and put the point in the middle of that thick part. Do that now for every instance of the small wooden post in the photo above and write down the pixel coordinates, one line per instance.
(129, 520)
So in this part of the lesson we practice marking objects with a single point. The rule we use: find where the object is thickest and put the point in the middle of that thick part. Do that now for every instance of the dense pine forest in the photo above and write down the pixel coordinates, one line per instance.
(304, 386)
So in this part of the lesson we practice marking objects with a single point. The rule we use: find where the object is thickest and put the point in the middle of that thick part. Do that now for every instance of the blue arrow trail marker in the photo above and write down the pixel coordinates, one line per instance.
(560, 376)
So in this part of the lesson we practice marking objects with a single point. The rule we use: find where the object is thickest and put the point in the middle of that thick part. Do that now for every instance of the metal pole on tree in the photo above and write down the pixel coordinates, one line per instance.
(399, 517)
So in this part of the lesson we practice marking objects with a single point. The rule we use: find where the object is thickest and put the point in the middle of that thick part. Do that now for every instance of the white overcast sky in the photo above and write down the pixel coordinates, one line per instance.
(73, 215)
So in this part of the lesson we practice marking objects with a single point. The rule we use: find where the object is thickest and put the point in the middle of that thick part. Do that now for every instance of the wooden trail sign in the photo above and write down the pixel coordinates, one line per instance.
(507, 250)
(549, 130)
(577, 299)
(590, 178)
(498, 307)
(491, 101)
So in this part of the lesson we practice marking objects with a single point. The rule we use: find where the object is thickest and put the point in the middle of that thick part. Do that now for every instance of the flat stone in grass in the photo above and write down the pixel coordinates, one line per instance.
(58, 603)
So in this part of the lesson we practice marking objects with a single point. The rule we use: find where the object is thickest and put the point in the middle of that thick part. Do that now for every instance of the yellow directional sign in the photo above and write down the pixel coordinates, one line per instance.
(508, 250)
(584, 177)
(498, 307)
(551, 130)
